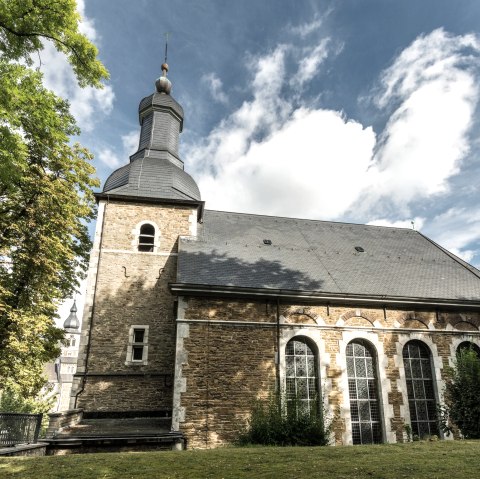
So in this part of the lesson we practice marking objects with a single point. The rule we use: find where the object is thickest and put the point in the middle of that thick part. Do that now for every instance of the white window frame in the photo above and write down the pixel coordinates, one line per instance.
(136, 237)
(132, 343)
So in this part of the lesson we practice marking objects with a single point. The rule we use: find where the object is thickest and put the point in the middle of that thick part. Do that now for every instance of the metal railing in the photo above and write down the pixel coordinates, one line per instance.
(17, 428)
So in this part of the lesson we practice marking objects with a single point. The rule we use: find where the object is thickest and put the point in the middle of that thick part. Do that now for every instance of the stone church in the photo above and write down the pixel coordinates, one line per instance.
(191, 314)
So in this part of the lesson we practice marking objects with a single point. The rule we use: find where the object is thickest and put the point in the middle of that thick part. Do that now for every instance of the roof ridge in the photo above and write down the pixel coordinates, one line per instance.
(310, 219)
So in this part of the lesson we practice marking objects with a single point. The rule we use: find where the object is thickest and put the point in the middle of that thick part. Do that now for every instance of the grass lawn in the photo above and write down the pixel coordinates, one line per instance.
(419, 460)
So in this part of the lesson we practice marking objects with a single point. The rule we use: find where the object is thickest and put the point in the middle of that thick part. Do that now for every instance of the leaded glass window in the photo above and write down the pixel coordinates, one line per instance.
(301, 375)
(421, 394)
(363, 392)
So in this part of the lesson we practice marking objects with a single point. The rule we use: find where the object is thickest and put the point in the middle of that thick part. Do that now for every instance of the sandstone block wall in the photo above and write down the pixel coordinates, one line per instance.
(229, 350)
(131, 288)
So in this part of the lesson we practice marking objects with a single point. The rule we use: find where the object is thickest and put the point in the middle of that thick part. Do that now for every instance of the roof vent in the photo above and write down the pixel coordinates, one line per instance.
(359, 249)
(267, 241)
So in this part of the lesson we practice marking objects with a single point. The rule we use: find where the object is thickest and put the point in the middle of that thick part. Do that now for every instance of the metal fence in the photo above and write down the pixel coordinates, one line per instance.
(16, 428)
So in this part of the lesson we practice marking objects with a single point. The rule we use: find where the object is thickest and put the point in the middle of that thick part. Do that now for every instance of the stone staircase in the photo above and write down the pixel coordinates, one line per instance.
(118, 431)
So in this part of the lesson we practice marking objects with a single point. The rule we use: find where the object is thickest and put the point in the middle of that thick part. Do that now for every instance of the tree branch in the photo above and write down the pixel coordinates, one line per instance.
(44, 35)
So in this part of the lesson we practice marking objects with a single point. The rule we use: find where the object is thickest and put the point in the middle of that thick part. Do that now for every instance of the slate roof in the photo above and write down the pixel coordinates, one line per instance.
(320, 256)
(152, 178)
(161, 100)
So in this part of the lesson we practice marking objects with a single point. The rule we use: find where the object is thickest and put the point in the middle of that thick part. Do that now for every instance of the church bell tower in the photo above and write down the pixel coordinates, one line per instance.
(127, 350)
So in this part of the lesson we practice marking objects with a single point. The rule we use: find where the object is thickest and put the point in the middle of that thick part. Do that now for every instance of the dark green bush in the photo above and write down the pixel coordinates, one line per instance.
(462, 396)
(272, 423)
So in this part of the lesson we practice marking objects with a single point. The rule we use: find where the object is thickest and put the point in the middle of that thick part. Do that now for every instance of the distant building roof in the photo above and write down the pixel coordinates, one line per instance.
(323, 257)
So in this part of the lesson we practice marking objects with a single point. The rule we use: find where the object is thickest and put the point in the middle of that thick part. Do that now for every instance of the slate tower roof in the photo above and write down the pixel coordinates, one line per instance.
(155, 170)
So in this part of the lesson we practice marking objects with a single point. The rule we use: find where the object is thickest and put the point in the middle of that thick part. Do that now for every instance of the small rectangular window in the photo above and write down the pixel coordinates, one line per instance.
(137, 351)
(138, 335)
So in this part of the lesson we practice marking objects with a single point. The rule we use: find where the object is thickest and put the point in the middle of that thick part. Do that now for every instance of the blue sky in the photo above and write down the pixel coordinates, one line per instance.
(346, 110)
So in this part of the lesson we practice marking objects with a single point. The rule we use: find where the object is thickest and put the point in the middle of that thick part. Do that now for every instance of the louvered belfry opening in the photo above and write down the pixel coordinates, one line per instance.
(146, 239)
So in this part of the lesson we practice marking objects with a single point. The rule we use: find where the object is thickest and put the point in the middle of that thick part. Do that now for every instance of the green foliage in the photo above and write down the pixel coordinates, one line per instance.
(275, 422)
(12, 401)
(408, 432)
(25, 25)
(462, 393)
(46, 199)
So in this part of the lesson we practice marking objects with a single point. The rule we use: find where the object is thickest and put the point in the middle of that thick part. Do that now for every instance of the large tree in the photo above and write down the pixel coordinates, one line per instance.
(46, 199)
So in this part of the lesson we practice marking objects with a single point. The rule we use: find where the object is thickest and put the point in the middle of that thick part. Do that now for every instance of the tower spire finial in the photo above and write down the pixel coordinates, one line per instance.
(165, 64)
(163, 84)
(166, 45)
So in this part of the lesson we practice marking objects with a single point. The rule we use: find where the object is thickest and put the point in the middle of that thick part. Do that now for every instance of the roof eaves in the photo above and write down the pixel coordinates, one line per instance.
(189, 289)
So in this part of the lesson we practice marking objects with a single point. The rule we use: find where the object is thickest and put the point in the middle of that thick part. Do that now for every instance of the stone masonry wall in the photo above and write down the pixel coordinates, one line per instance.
(131, 289)
(228, 353)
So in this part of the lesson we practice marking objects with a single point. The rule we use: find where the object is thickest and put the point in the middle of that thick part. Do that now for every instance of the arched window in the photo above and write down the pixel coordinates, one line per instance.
(467, 345)
(146, 239)
(301, 375)
(421, 394)
(363, 392)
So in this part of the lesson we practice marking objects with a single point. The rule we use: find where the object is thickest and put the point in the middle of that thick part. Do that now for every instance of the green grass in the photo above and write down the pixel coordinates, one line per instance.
(419, 460)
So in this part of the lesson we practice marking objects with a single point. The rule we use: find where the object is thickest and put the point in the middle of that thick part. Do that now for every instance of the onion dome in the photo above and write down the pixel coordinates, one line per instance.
(155, 170)
(72, 321)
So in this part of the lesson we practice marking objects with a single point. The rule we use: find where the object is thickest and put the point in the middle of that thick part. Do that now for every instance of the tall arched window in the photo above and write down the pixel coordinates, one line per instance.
(421, 393)
(301, 374)
(466, 345)
(363, 392)
(146, 239)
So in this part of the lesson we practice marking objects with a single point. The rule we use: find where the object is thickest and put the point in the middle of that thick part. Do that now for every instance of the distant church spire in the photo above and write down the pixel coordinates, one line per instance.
(72, 321)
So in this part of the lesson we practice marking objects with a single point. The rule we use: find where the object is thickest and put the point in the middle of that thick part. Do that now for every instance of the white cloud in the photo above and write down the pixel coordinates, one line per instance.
(215, 86)
(259, 117)
(116, 157)
(86, 104)
(306, 29)
(273, 155)
(87, 26)
(433, 89)
(415, 223)
(130, 142)
(308, 65)
(108, 157)
(288, 174)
